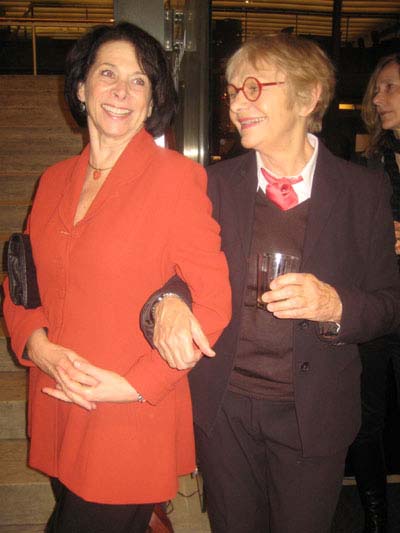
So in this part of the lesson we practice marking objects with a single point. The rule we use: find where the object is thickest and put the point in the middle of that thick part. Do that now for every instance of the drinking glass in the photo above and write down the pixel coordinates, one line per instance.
(270, 265)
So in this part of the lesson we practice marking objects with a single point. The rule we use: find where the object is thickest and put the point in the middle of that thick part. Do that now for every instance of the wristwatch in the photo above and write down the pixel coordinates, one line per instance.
(328, 329)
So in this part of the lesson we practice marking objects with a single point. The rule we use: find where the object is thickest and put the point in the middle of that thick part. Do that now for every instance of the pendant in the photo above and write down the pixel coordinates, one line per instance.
(96, 174)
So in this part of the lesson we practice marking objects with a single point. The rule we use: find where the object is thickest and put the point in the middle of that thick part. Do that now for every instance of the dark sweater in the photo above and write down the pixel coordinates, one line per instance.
(263, 366)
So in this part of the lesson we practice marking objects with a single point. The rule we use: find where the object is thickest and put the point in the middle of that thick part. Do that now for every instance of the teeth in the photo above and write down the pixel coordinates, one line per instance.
(252, 121)
(116, 110)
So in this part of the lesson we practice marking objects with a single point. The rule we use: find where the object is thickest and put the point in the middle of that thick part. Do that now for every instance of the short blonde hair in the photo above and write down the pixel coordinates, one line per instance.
(369, 113)
(303, 62)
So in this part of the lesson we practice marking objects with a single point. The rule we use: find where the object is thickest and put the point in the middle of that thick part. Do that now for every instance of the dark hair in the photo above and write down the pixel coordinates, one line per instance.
(151, 57)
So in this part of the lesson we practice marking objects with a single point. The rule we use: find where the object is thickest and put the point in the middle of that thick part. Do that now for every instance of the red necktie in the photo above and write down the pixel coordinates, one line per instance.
(280, 190)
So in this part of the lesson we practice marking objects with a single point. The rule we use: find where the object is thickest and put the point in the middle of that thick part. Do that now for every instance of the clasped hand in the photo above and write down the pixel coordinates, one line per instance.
(77, 380)
(303, 296)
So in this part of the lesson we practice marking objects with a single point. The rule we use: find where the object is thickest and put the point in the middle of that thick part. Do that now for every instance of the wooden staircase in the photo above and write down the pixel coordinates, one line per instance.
(36, 131)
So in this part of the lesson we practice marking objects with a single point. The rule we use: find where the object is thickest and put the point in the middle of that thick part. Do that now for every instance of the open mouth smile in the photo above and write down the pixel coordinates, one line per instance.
(248, 122)
(116, 111)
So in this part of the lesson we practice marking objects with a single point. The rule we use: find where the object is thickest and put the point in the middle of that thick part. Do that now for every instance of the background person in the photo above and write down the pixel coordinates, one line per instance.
(277, 408)
(109, 420)
(381, 114)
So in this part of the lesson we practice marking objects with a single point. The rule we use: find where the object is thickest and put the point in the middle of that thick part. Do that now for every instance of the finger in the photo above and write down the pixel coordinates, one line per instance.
(289, 305)
(56, 393)
(78, 399)
(69, 385)
(163, 353)
(201, 340)
(63, 378)
(188, 353)
(181, 356)
(292, 314)
(90, 370)
(170, 359)
(77, 375)
(179, 350)
(75, 392)
(166, 353)
(292, 278)
(60, 395)
(279, 295)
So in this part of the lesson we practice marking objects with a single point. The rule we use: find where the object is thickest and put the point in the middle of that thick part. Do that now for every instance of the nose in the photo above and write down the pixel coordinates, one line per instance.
(120, 89)
(239, 102)
(377, 99)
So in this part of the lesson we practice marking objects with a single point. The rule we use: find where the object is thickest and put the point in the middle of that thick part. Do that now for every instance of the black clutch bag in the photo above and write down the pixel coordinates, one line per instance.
(22, 272)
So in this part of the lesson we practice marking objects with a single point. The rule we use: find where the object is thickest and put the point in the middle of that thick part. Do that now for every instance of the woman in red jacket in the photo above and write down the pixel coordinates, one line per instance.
(110, 422)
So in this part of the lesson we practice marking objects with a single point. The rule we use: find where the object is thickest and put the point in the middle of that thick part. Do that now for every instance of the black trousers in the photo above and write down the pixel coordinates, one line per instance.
(254, 474)
(375, 357)
(72, 514)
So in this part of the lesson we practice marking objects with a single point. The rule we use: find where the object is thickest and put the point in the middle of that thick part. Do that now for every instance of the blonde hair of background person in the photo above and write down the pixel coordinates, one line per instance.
(369, 112)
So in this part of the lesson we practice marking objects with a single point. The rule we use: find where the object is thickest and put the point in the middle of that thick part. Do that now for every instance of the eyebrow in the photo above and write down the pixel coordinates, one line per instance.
(388, 79)
(105, 63)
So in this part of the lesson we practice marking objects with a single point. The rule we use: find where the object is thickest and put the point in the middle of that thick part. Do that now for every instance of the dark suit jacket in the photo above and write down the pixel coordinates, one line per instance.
(349, 243)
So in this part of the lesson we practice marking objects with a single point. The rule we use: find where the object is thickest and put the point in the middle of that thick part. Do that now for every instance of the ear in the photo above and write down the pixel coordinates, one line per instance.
(313, 98)
(81, 92)
(150, 109)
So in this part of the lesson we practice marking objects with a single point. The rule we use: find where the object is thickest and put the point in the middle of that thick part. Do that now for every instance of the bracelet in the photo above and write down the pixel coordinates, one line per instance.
(160, 299)
(140, 398)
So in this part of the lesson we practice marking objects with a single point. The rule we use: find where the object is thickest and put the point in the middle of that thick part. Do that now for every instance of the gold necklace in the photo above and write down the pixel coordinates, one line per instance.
(97, 171)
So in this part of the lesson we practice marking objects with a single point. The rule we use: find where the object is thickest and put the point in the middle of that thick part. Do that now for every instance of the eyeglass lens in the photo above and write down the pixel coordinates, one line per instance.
(251, 89)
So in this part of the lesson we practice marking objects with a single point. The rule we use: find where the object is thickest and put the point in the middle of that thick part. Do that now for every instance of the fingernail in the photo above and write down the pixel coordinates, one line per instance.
(77, 364)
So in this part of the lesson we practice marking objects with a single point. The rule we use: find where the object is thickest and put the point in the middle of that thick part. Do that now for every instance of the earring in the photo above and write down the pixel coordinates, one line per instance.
(82, 107)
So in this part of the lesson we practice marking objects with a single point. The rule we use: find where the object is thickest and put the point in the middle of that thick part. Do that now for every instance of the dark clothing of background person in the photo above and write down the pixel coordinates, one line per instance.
(366, 454)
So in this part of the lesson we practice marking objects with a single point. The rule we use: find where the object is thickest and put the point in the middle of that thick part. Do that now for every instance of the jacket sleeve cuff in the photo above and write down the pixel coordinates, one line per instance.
(26, 327)
(152, 378)
(174, 285)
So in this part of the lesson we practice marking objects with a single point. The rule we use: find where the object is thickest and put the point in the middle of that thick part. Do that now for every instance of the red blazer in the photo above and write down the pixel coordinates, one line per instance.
(151, 219)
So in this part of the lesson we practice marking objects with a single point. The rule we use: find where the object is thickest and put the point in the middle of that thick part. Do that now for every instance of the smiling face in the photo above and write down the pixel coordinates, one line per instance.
(387, 97)
(117, 93)
(272, 122)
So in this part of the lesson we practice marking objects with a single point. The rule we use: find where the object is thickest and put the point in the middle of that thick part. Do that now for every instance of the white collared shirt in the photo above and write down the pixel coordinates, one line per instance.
(303, 188)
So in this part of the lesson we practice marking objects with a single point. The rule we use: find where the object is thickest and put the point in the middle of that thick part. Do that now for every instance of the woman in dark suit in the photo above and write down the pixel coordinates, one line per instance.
(277, 407)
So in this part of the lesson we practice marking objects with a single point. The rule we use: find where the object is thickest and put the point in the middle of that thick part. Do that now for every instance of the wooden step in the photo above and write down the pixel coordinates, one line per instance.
(23, 528)
(17, 189)
(3, 240)
(12, 218)
(36, 148)
(39, 117)
(25, 494)
(13, 405)
(36, 101)
(8, 361)
(36, 131)
(31, 86)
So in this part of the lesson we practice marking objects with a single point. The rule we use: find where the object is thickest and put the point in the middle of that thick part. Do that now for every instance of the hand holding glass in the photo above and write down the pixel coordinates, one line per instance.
(271, 265)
